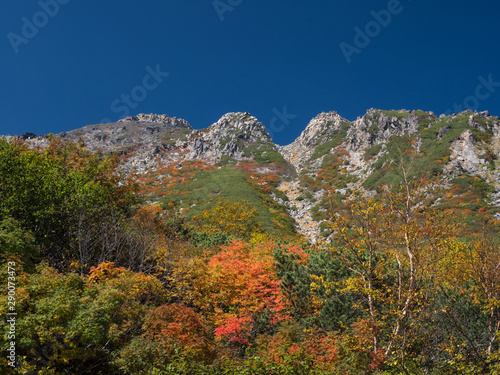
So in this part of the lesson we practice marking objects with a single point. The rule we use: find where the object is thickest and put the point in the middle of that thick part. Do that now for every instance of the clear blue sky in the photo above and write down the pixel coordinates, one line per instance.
(259, 56)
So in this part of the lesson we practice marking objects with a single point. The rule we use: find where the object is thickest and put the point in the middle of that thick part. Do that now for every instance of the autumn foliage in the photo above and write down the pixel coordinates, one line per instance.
(109, 284)
(236, 219)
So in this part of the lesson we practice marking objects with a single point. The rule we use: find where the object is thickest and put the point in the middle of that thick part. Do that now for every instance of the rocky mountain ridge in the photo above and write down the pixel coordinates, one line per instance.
(377, 128)
(331, 156)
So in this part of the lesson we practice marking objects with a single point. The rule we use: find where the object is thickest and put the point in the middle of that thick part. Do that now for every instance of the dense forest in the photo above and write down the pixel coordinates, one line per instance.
(106, 281)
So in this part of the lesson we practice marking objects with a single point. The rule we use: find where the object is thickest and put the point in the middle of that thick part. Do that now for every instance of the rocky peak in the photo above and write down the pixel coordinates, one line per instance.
(152, 118)
(319, 130)
(240, 124)
(377, 126)
(229, 136)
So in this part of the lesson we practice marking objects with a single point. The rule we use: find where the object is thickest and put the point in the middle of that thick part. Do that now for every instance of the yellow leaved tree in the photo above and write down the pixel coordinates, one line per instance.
(235, 219)
(393, 246)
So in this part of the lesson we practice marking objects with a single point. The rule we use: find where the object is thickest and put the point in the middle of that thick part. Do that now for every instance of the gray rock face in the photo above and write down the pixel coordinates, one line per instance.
(229, 136)
(199, 147)
(241, 125)
(376, 127)
(319, 130)
(464, 154)
(140, 129)
(231, 148)
(152, 118)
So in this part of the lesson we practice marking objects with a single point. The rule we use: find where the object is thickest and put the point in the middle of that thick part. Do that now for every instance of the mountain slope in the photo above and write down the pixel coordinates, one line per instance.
(235, 158)
(452, 151)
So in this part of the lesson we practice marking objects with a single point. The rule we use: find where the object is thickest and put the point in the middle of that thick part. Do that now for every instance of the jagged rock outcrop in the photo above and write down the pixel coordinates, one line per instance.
(319, 130)
(229, 136)
(377, 127)
(172, 122)
(464, 154)
(241, 124)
